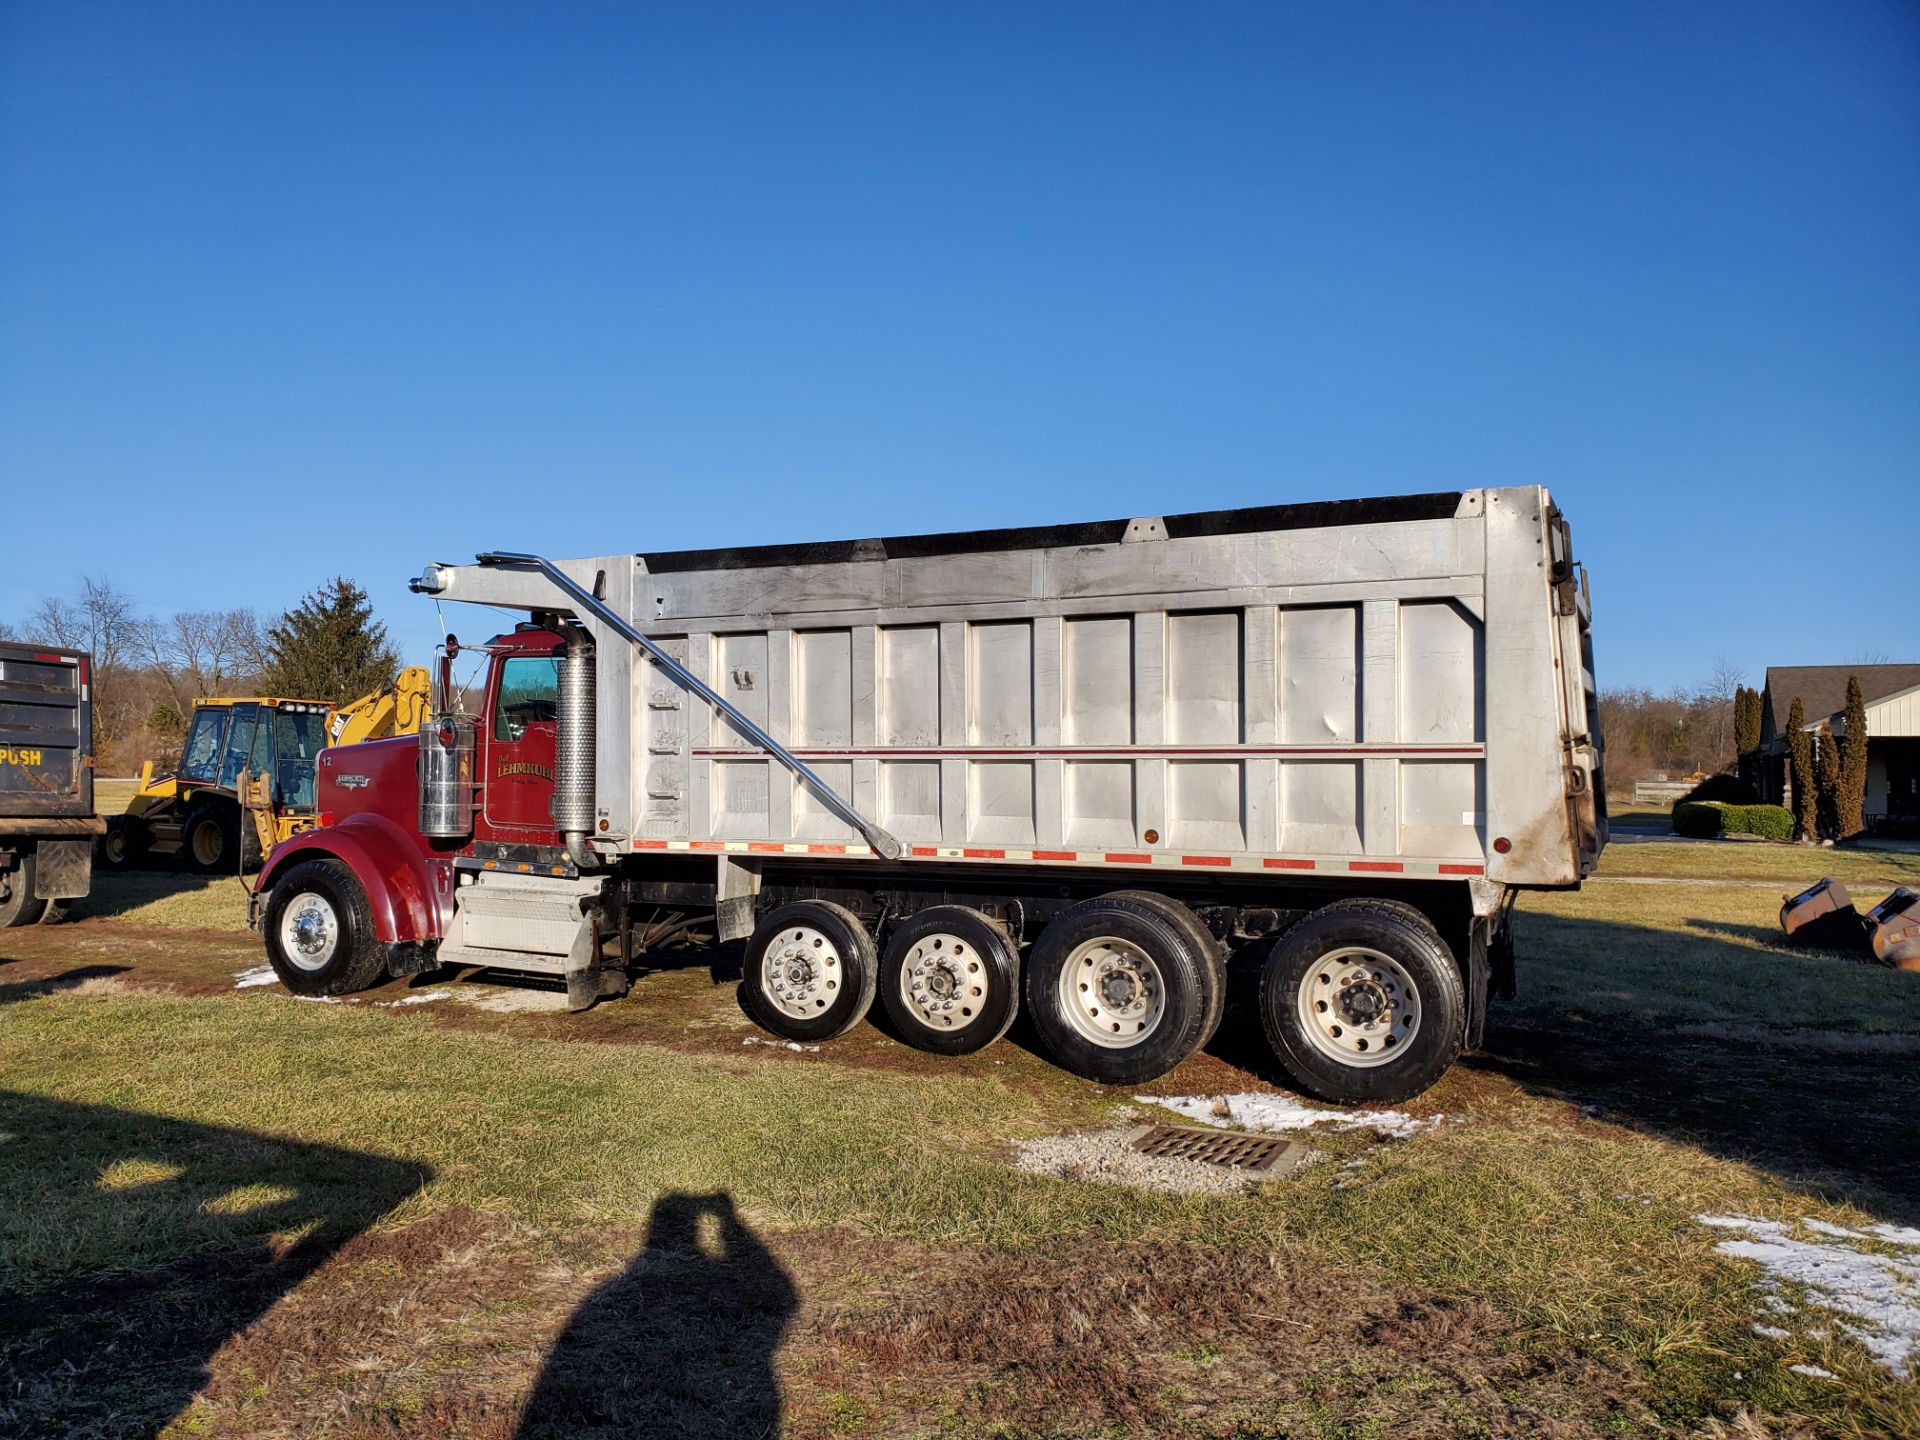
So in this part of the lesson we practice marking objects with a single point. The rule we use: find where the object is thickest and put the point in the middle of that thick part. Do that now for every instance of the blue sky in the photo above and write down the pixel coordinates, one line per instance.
(294, 290)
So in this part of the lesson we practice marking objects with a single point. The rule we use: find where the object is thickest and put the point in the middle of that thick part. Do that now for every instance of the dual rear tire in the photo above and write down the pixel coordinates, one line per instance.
(1361, 1001)
(1120, 988)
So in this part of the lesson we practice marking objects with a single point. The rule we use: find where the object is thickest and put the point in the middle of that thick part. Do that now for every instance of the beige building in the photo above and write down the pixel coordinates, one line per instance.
(1893, 732)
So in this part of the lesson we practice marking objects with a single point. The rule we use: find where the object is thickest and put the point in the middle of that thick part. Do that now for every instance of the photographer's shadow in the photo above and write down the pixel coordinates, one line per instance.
(680, 1343)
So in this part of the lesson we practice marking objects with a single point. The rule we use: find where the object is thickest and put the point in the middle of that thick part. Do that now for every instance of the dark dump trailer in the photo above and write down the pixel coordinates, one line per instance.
(47, 822)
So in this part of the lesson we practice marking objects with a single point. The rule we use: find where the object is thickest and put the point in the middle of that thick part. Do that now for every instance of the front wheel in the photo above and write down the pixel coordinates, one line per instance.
(210, 837)
(1362, 1000)
(1119, 991)
(319, 931)
(809, 971)
(123, 844)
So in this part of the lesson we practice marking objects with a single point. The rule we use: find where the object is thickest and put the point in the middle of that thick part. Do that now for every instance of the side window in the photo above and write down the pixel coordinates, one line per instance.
(239, 743)
(200, 757)
(529, 692)
(260, 757)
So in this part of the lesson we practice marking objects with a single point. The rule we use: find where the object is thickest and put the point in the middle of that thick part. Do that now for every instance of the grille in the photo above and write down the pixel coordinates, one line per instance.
(1232, 1149)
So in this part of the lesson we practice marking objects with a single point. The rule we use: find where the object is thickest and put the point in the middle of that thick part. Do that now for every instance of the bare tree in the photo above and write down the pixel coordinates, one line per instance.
(7, 632)
(102, 623)
(204, 652)
(1716, 700)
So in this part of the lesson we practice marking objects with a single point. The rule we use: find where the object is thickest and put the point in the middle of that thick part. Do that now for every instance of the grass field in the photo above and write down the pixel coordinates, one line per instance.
(225, 1212)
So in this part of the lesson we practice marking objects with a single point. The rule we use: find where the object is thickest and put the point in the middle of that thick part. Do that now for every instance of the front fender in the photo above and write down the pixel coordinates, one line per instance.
(403, 884)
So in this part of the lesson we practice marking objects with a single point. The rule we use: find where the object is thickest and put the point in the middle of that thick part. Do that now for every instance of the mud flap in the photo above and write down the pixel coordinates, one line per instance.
(1479, 980)
(63, 869)
(588, 981)
(405, 957)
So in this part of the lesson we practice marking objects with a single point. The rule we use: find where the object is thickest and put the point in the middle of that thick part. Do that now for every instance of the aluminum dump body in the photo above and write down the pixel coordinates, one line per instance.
(1390, 688)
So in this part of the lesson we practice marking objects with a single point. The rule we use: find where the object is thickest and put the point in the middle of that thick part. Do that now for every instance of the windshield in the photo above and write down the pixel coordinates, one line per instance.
(200, 757)
(298, 738)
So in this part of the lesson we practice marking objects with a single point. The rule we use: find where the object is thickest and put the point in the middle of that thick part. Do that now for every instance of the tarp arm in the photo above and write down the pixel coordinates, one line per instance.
(583, 602)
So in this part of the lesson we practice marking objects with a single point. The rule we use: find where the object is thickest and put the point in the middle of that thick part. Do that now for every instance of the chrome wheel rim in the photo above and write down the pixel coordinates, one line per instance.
(800, 972)
(309, 931)
(1358, 1006)
(943, 982)
(1112, 992)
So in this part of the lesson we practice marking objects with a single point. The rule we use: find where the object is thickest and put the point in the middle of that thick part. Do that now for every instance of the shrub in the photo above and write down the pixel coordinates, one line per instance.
(1724, 789)
(1710, 819)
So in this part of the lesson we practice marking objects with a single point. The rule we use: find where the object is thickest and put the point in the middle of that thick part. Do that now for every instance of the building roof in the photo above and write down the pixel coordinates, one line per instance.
(1823, 689)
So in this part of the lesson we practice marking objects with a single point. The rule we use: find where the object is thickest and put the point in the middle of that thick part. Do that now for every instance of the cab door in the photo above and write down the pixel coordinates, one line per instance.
(522, 733)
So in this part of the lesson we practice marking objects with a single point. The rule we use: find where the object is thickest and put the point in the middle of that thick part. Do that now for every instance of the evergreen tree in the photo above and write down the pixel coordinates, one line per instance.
(1746, 722)
(1851, 805)
(1800, 748)
(1826, 786)
(329, 647)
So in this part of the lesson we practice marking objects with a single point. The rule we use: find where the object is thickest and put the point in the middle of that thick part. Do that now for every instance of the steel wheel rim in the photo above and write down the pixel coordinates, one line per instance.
(1359, 1006)
(113, 846)
(206, 842)
(1112, 992)
(800, 972)
(309, 931)
(943, 982)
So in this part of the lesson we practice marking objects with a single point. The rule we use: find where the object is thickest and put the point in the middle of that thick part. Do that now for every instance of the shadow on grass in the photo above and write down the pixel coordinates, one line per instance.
(53, 984)
(681, 1343)
(1834, 1124)
(116, 892)
(132, 1247)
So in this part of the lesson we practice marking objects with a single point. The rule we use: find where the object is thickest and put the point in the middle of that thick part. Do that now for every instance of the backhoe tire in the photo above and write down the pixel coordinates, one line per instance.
(210, 837)
(124, 845)
(319, 931)
(20, 905)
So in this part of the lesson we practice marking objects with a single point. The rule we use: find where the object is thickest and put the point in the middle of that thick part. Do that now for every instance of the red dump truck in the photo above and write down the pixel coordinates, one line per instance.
(1077, 770)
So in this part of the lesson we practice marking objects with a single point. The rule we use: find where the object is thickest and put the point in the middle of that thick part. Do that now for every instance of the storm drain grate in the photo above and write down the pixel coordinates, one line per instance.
(1232, 1149)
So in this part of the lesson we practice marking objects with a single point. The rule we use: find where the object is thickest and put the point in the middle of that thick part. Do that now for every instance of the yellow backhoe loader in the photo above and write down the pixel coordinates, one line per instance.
(245, 778)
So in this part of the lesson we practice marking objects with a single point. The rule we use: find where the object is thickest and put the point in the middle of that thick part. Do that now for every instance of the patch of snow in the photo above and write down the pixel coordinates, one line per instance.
(777, 1044)
(1897, 1234)
(1772, 1332)
(1827, 1227)
(258, 975)
(1277, 1113)
(319, 999)
(1814, 1370)
(1876, 1296)
(425, 997)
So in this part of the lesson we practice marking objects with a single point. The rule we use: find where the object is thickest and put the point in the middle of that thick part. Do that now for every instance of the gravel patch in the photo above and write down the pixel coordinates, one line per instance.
(1108, 1157)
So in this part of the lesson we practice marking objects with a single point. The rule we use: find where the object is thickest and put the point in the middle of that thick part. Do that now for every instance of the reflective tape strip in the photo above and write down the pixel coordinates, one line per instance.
(1328, 865)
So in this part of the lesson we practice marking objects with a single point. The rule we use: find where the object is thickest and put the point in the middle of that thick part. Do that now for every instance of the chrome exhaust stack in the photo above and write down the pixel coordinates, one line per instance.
(573, 766)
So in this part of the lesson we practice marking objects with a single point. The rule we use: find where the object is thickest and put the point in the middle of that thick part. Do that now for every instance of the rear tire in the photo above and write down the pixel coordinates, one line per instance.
(809, 971)
(1362, 1000)
(1203, 941)
(950, 980)
(22, 906)
(210, 837)
(319, 930)
(1118, 991)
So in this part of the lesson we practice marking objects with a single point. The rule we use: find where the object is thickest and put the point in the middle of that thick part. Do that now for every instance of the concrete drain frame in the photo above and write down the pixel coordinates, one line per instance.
(1267, 1155)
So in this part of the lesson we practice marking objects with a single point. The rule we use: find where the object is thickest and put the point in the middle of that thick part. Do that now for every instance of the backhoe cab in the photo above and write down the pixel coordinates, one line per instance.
(245, 780)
